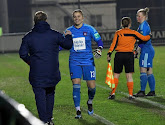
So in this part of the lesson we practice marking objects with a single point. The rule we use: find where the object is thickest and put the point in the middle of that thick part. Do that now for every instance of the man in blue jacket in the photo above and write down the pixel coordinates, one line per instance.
(40, 50)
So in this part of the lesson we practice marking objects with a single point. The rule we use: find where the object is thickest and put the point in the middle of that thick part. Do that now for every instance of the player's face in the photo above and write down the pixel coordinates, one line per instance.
(78, 18)
(140, 17)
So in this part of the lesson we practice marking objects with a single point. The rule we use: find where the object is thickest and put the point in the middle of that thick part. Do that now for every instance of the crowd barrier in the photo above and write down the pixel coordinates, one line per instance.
(11, 42)
(13, 113)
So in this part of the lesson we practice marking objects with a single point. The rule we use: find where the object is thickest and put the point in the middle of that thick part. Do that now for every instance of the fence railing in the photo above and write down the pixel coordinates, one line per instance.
(12, 42)
(13, 113)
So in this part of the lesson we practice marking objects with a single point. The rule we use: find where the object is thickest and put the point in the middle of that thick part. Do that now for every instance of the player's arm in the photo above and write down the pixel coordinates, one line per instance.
(142, 37)
(65, 42)
(112, 47)
(97, 38)
(98, 51)
(146, 30)
(100, 44)
(24, 51)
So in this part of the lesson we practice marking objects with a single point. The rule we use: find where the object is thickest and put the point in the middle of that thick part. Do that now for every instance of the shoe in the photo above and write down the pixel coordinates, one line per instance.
(111, 96)
(131, 97)
(49, 123)
(90, 109)
(140, 94)
(46, 123)
(151, 93)
(78, 115)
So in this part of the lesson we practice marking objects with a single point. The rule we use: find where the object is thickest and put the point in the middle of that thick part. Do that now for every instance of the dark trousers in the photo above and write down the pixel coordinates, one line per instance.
(45, 102)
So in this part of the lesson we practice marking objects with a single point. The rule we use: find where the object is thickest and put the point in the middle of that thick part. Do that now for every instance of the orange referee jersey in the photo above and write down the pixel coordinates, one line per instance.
(124, 40)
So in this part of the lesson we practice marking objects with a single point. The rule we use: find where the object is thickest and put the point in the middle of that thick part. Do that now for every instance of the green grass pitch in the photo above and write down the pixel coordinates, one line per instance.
(121, 111)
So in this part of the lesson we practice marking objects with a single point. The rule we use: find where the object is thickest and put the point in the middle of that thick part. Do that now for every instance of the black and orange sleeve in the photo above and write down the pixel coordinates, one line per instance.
(114, 42)
(141, 37)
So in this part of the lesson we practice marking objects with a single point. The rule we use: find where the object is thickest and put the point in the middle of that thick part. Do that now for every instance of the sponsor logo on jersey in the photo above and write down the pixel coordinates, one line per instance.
(96, 35)
(79, 43)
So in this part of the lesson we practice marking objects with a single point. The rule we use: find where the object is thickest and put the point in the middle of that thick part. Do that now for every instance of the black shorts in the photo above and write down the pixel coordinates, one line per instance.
(126, 59)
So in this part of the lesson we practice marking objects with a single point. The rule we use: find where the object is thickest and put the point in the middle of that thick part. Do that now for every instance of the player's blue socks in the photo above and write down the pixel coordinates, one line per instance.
(151, 81)
(76, 94)
(91, 94)
(143, 81)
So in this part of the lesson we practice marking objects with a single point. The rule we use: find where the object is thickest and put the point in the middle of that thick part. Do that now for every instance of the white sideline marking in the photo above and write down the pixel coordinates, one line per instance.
(99, 118)
(139, 99)
(147, 101)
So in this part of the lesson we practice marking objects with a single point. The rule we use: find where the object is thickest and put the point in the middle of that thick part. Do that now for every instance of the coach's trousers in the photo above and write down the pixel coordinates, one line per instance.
(45, 102)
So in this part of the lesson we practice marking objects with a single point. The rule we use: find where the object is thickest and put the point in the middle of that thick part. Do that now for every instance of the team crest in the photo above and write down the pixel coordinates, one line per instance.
(85, 33)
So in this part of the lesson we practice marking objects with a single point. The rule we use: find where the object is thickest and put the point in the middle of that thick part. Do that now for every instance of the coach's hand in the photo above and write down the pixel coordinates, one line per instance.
(67, 32)
(109, 56)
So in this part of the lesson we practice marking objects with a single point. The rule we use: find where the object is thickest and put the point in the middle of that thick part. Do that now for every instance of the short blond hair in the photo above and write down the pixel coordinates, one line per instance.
(40, 16)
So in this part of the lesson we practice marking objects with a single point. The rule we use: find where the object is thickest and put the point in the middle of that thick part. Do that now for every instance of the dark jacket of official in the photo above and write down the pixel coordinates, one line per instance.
(40, 49)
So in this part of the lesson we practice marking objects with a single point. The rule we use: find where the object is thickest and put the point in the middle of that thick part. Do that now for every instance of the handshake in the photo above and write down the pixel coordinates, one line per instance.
(67, 32)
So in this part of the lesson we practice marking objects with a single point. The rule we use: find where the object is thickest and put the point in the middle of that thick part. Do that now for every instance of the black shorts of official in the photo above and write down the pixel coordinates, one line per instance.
(125, 59)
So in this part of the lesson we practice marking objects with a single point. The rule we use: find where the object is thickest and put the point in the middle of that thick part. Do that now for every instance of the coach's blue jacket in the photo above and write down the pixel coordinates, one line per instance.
(40, 49)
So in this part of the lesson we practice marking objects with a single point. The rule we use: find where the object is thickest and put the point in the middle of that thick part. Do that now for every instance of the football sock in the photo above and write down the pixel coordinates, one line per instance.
(76, 95)
(116, 84)
(91, 94)
(78, 108)
(130, 87)
(90, 101)
(143, 81)
(151, 81)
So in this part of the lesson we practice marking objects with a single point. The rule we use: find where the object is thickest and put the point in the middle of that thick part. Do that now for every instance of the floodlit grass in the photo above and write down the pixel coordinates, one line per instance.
(121, 111)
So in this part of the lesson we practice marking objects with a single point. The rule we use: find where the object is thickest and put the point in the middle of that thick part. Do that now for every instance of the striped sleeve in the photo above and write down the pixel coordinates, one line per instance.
(114, 43)
(141, 37)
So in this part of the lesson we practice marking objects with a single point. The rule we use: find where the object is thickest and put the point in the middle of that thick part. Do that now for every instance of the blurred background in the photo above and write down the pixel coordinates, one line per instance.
(104, 15)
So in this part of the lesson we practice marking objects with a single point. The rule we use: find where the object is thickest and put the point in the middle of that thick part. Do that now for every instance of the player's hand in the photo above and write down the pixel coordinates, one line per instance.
(98, 52)
(68, 32)
(109, 57)
(135, 54)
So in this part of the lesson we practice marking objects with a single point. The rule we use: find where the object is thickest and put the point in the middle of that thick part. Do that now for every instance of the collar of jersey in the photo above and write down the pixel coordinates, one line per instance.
(143, 22)
(78, 28)
(141, 25)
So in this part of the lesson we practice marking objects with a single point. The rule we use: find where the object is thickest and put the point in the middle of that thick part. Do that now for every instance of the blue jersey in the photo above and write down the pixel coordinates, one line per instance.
(145, 30)
(147, 50)
(81, 51)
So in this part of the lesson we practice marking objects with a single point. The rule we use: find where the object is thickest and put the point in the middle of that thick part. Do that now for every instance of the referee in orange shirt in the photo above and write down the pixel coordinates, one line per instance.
(123, 42)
